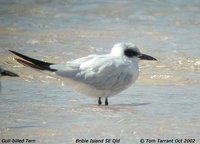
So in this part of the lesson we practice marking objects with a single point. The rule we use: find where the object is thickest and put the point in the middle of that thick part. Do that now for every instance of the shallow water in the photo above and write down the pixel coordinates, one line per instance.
(164, 101)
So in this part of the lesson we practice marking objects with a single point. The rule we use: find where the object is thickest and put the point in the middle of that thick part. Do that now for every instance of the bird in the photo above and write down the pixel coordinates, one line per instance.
(4, 72)
(98, 76)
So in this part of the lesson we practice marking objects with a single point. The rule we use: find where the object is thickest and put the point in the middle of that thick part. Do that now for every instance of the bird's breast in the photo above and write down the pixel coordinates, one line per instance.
(127, 76)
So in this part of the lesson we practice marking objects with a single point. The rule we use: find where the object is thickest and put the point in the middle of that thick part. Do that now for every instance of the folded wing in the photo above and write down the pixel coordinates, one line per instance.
(101, 71)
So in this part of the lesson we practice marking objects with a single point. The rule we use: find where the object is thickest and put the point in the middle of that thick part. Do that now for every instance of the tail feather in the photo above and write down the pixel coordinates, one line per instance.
(34, 63)
(26, 63)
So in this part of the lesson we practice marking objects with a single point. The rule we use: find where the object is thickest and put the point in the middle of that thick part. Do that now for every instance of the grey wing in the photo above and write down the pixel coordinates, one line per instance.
(71, 68)
(103, 73)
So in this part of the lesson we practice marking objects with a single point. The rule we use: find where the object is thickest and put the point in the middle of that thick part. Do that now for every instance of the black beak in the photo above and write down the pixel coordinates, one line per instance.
(8, 73)
(146, 57)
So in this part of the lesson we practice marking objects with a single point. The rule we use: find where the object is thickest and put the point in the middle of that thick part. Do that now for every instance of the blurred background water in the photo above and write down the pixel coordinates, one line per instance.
(163, 103)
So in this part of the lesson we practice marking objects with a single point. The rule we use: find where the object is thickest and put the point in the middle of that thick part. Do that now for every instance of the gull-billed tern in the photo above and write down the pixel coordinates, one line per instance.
(96, 75)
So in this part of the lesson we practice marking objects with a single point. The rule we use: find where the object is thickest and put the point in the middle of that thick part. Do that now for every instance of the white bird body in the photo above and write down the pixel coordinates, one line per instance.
(99, 75)
(96, 75)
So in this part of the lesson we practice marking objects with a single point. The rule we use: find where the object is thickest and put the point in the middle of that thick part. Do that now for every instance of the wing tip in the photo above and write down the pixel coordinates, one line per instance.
(31, 62)
(9, 73)
(12, 51)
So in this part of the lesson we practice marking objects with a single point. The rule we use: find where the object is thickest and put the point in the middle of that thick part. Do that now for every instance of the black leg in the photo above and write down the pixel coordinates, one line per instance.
(99, 101)
(106, 101)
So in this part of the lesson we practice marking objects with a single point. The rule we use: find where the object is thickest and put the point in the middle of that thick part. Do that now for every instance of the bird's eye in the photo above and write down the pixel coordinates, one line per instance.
(130, 53)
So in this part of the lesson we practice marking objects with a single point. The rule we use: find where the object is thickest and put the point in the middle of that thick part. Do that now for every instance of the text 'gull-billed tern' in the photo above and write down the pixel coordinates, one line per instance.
(97, 75)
